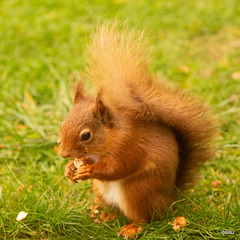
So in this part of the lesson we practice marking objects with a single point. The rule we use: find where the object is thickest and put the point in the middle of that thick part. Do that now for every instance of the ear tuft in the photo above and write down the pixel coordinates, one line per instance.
(79, 94)
(102, 112)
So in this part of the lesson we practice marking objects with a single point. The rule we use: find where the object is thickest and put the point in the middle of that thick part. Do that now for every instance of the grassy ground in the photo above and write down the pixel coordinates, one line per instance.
(195, 43)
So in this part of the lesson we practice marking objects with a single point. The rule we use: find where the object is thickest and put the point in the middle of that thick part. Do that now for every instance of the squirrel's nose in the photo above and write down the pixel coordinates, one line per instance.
(64, 154)
(59, 142)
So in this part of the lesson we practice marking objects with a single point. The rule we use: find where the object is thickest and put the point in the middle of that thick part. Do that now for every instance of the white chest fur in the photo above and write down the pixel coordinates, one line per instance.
(112, 193)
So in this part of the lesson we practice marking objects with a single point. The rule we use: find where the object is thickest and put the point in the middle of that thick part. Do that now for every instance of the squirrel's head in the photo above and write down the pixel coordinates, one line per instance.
(87, 127)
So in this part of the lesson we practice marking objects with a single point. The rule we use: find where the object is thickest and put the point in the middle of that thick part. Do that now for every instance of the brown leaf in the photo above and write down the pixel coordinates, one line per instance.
(29, 189)
(184, 69)
(235, 44)
(19, 126)
(179, 222)
(20, 188)
(176, 227)
(55, 148)
(107, 217)
(95, 208)
(216, 183)
(195, 209)
(234, 97)
(206, 73)
(235, 76)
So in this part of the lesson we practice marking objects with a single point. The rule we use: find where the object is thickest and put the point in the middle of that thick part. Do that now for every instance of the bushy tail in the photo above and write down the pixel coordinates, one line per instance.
(118, 62)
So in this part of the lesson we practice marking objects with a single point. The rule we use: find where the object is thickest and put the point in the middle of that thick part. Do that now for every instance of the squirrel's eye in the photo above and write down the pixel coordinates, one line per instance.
(86, 136)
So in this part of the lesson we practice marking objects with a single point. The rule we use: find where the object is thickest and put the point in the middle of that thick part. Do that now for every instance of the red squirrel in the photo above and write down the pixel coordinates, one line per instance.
(141, 141)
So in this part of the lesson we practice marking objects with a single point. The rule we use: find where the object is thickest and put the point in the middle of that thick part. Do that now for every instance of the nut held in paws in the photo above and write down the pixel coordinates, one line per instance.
(78, 162)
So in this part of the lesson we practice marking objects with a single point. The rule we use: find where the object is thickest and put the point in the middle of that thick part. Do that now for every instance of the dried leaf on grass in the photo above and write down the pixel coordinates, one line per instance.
(20, 188)
(179, 222)
(216, 183)
(55, 148)
(183, 69)
(234, 97)
(235, 76)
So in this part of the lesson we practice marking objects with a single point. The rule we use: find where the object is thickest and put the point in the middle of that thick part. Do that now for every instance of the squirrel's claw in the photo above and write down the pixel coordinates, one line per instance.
(70, 169)
(83, 173)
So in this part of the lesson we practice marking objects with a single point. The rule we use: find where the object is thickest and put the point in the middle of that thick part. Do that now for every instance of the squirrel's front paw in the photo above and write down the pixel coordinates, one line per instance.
(83, 173)
(70, 169)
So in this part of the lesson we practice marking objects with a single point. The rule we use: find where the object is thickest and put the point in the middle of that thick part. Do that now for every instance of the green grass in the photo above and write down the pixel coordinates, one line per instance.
(195, 44)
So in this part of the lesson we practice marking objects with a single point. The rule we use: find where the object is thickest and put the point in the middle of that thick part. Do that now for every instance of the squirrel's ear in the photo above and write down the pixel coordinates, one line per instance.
(102, 112)
(79, 94)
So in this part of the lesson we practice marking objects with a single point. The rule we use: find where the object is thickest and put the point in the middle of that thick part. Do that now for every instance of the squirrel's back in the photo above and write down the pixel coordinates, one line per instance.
(118, 63)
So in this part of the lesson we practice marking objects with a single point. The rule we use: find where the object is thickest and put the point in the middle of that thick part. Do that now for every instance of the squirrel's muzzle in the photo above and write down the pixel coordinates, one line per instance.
(64, 154)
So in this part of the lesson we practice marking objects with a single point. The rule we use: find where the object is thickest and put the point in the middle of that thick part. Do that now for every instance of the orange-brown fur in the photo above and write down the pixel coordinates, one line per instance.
(148, 138)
